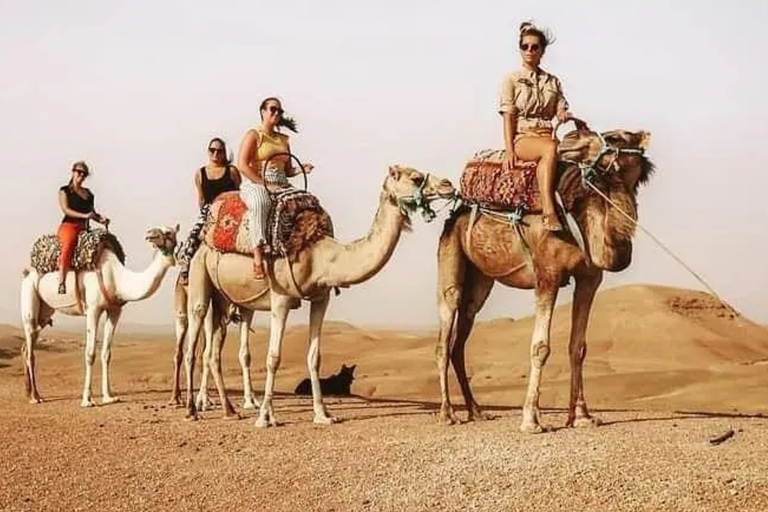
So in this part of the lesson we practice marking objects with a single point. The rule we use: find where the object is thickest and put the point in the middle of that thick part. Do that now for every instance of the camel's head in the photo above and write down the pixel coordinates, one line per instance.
(412, 190)
(163, 239)
(613, 165)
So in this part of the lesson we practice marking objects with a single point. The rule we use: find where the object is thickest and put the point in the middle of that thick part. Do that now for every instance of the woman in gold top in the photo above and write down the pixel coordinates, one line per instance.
(530, 99)
(256, 149)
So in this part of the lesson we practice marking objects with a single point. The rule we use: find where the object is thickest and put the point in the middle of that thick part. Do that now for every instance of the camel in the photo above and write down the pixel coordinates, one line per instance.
(475, 251)
(180, 296)
(105, 288)
(310, 274)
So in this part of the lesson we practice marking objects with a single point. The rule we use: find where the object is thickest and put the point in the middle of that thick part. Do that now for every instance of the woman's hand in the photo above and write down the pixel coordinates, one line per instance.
(308, 168)
(511, 161)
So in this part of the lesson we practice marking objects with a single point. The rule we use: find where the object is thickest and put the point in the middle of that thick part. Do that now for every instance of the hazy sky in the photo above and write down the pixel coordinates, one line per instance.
(138, 88)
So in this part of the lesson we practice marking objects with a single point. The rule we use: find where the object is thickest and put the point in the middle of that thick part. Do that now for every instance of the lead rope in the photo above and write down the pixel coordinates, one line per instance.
(666, 249)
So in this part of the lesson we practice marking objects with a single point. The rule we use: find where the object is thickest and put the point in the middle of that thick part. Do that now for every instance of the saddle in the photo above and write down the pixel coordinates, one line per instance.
(296, 221)
(486, 182)
(44, 256)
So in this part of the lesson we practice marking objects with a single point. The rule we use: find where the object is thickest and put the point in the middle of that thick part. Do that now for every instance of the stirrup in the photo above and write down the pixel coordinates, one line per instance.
(62, 288)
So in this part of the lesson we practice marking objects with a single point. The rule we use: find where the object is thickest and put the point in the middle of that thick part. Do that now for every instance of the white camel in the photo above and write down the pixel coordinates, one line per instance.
(106, 289)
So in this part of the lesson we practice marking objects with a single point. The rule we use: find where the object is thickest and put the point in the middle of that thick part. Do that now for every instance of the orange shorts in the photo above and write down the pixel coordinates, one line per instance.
(67, 234)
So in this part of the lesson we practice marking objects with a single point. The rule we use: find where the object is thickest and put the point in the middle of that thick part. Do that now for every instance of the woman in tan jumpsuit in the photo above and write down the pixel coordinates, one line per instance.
(530, 99)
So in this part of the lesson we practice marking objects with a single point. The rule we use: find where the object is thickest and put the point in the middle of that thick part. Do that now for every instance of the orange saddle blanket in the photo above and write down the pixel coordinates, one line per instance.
(295, 221)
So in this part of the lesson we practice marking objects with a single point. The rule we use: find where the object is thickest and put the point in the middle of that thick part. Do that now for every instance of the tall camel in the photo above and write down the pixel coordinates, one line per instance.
(180, 296)
(105, 288)
(475, 251)
(310, 275)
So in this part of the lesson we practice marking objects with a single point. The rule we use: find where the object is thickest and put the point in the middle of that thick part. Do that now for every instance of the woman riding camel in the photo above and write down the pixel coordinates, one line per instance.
(217, 177)
(76, 203)
(530, 99)
(265, 172)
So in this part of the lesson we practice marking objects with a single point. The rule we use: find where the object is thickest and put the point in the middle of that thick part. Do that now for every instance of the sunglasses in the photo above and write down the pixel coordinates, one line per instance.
(81, 172)
(273, 109)
(214, 151)
(532, 47)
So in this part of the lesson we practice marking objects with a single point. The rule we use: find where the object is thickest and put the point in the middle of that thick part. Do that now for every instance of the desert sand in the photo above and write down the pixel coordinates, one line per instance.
(667, 370)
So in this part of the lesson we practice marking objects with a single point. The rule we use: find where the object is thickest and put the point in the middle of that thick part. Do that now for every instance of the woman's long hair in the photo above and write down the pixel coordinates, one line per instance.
(285, 120)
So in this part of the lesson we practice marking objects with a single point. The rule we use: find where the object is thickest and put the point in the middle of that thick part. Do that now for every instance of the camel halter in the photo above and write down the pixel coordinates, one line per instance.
(418, 201)
(591, 171)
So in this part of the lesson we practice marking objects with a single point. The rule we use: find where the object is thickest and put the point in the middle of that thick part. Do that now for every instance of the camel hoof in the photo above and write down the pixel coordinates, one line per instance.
(204, 404)
(326, 420)
(231, 416)
(480, 416)
(447, 416)
(264, 423)
(191, 416)
(532, 428)
(251, 403)
(109, 400)
(587, 422)
(176, 400)
(87, 402)
(35, 400)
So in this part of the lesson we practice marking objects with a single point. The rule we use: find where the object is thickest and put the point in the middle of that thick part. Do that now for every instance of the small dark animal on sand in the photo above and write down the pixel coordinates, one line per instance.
(336, 385)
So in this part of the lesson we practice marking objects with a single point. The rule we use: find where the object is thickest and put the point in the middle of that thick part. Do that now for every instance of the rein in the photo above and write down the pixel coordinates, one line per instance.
(590, 171)
(290, 156)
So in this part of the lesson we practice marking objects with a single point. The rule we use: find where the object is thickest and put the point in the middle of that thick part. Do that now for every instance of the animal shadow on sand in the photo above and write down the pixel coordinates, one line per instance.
(338, 384)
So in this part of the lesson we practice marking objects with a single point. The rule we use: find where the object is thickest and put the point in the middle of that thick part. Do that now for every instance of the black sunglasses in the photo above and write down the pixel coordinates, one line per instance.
(81, 172)
(215, 150)
(272, 109)
(533, 47)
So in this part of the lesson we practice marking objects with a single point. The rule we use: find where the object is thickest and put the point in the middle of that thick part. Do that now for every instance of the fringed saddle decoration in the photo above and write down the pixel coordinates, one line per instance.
(296, 221)
(44, 256)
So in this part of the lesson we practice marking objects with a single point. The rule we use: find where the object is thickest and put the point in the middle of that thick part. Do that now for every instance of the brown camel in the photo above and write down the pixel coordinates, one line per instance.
(244, 317)
(478, 248)
(310, 274)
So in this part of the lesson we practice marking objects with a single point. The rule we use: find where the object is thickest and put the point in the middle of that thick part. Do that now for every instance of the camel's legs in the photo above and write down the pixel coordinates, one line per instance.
(197, 308)
(546, 295)
(477, 288)
(244, 355)
(451, 264)
(113, 316)
(586, 287)
(279, 313)
(92, 317)
(218, 337)
(30, 319)
(181, 331)
(203, 400)
(317, 311)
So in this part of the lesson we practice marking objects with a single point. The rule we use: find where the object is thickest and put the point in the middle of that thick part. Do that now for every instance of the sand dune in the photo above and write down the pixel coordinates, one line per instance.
(666, 370)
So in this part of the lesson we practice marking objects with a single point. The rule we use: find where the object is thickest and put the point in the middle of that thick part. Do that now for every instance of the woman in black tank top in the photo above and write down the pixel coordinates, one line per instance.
(215, 178)
(76, 203)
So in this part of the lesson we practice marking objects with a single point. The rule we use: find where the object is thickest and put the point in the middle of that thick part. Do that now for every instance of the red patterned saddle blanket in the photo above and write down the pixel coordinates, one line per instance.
(486, 182)
(295, 222)
(44, 256)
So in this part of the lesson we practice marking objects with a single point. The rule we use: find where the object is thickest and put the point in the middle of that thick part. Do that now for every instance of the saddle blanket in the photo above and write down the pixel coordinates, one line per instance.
(296, 221)
(485, 181)
(44, 256)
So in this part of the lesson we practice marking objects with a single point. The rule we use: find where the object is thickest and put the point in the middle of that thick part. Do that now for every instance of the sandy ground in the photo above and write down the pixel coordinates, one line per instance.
(667, 371)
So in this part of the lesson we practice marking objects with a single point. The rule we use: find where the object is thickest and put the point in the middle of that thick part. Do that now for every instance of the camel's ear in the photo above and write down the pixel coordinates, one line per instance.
(645, 139)
(395, 171)
(177, 227)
